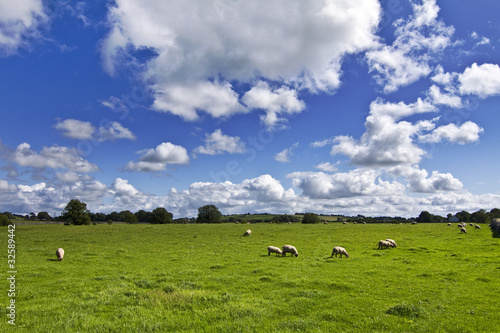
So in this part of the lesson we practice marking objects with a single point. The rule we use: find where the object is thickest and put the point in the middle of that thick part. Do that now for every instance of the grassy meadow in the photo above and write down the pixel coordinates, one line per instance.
(208, 278)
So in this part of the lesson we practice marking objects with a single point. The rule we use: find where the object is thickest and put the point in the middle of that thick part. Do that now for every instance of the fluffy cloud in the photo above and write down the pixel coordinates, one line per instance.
(284, 155)
(84, 130)
(386, 141)
(197, 47)
(408, 58)
(326, 167)
(76, 129)
(153, 160)
(419, 181)
(184, 100)
(55, 157)
(274, 102)
(356, 192)
(466, 133)
(19, 21)
(113, 131)
(218, 143)
(483, 80)
(6, 187)
(439, 98)
(359, 182)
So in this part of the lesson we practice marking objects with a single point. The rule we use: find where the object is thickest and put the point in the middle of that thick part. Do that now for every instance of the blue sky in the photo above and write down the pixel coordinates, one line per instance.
(338, 107)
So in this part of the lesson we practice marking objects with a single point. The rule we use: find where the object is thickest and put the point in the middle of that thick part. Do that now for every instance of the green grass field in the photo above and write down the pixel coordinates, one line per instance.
(208, 278)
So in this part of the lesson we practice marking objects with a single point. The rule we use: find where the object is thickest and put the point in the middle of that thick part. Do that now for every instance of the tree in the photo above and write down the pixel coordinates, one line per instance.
(143, 216)
(209, 214)
(161, 216)
(310, 218)
(114, 216)
(463, 216)
(43, 216)
(129, 217)
(479, 216)
(4, 220)
(76, 212)
(424, 216)
(494, 213)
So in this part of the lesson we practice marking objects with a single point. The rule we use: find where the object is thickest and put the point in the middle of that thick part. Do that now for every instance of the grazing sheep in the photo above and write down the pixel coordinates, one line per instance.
(273, 249)
(463, 230)
(339, 250)
(290, 249)
(471, 224)
(344, 222)
(247, 233)
(414, 222)
(392, 242)
(384, 244)
(449, 224)
(60, 253)
(477, 226)
(325, 222)
(364, 222)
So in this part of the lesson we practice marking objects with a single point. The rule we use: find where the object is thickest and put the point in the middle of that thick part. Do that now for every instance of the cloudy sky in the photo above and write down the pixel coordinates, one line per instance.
(328, 106)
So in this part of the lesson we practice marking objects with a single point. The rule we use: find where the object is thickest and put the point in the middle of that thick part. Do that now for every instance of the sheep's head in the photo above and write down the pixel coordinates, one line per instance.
(347, 255)
(296, 254)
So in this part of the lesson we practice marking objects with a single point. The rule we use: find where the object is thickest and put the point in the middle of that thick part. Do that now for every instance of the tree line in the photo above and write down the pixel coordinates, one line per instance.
(481, 216)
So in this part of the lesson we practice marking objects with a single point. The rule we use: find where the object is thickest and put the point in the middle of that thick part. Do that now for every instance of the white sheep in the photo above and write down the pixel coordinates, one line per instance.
(463, 230)
(471, 224)
(477, 226)
(414, 222)
(392, 242)
(449, 224)
(273, 249)
(60, 253)
(247, 233)
(384, 244)
(290, 249)
(339, 250)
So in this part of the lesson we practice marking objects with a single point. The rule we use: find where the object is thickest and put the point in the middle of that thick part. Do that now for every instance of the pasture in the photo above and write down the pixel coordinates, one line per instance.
(208, 278)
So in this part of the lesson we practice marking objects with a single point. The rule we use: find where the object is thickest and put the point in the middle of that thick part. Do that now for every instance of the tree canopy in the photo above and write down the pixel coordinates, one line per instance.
(161, 216)
(209, 214)
(310, 218)
(76, 212)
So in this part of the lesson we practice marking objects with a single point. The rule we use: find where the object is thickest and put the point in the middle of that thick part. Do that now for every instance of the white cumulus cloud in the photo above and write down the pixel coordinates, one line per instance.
(76, 129)
(275, 102)
(196, 48)
(284, 155)
(466, 133)
(408, 58)
(482, 80)
(19, 22)
(386, 141)
(419, 180)
(54, 157)
(219, 143)
(157, 159)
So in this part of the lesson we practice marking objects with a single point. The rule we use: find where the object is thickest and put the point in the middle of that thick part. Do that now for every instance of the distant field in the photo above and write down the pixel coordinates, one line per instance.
(208, 278)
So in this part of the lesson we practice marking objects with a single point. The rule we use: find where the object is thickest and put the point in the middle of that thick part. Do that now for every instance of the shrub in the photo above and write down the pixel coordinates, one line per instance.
(4, 220)
(311, 218)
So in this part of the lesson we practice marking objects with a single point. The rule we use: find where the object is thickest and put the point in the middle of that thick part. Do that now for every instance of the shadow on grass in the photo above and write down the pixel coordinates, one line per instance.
(53, 260)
